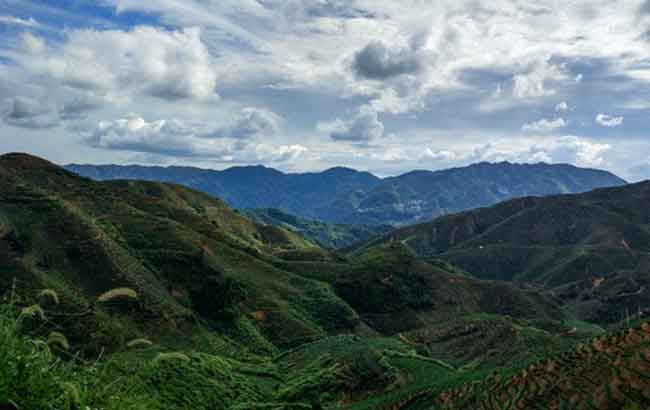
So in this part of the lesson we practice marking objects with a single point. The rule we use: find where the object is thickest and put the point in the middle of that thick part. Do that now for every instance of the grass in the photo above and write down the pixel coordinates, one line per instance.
(33, 377)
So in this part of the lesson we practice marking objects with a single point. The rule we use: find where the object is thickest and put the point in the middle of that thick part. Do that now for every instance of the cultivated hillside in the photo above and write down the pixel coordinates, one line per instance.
(188, 256)
(144, 296)
(342, 195)
(591, 248)
(332, 236)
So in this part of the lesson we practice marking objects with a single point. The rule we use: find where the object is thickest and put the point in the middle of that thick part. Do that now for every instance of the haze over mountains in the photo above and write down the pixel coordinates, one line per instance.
(343, 195)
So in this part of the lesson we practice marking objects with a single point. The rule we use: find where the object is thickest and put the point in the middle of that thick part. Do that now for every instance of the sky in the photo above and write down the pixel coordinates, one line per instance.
(304, 85)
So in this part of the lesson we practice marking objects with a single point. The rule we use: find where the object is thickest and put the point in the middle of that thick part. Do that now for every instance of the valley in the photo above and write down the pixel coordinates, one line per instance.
(192, 305)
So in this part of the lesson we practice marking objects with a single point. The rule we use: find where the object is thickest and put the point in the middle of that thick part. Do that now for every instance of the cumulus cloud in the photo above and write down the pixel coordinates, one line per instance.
(180, 139)
(562, 107)
(189, 138)
(565, 149)
(377, 61)
(29, 112)
(136, 134)
(544, 125)
(365, 126)
(441, 155)
(320, 59)
(272, 153)
(252, 122)
(152, 61)
(79, 105)
(534, 83)
(609, 121)
(575, 150)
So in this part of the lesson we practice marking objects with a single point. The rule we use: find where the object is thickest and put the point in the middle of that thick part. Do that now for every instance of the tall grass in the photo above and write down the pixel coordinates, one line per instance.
(33, 377)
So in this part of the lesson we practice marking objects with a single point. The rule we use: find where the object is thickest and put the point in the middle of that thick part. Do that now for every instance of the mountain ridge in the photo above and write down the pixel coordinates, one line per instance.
(590, 249)
(347, 196)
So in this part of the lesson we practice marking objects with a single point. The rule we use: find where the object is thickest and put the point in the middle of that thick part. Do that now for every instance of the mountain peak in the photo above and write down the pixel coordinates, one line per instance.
(22, 161)
(252, 169)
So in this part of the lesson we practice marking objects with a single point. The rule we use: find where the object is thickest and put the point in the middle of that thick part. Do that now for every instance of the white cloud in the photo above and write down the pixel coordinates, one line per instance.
(32, 44)
(441, 155)
(580, 151)
(17, 21)
(281, 153)
(440, 60)
(365, 126)
(378, 61)
(566, 149)
(252, 122)
(309, 45)
(609, 121)
(544, 125)
(562, 107)
(146, 60)
(77, 106)
(180, 138)
(29, 112)
(534, 83)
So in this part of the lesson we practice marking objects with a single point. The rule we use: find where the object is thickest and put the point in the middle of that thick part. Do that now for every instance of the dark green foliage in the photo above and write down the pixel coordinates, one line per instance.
(333, 236)
(135, 295)
(189, 260)
(214, 383)
(396, 292)
(591, 250)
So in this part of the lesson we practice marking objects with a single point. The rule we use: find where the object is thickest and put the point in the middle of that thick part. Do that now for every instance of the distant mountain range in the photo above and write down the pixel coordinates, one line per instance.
(347, 196)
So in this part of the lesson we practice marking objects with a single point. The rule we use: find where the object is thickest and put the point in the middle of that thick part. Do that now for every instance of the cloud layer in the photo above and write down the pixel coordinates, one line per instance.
(377, 61)
(152, 61)
(375, 84)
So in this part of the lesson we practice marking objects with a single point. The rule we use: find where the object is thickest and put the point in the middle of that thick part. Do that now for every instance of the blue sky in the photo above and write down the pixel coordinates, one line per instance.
(302, 85)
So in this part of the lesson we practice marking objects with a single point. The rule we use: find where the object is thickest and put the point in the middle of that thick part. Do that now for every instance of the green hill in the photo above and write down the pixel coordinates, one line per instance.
(143, 295)
(332, 236)
(185, 254)
(591, 249)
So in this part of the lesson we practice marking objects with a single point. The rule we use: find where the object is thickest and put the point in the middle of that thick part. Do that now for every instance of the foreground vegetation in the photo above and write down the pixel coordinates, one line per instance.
(39, 371)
